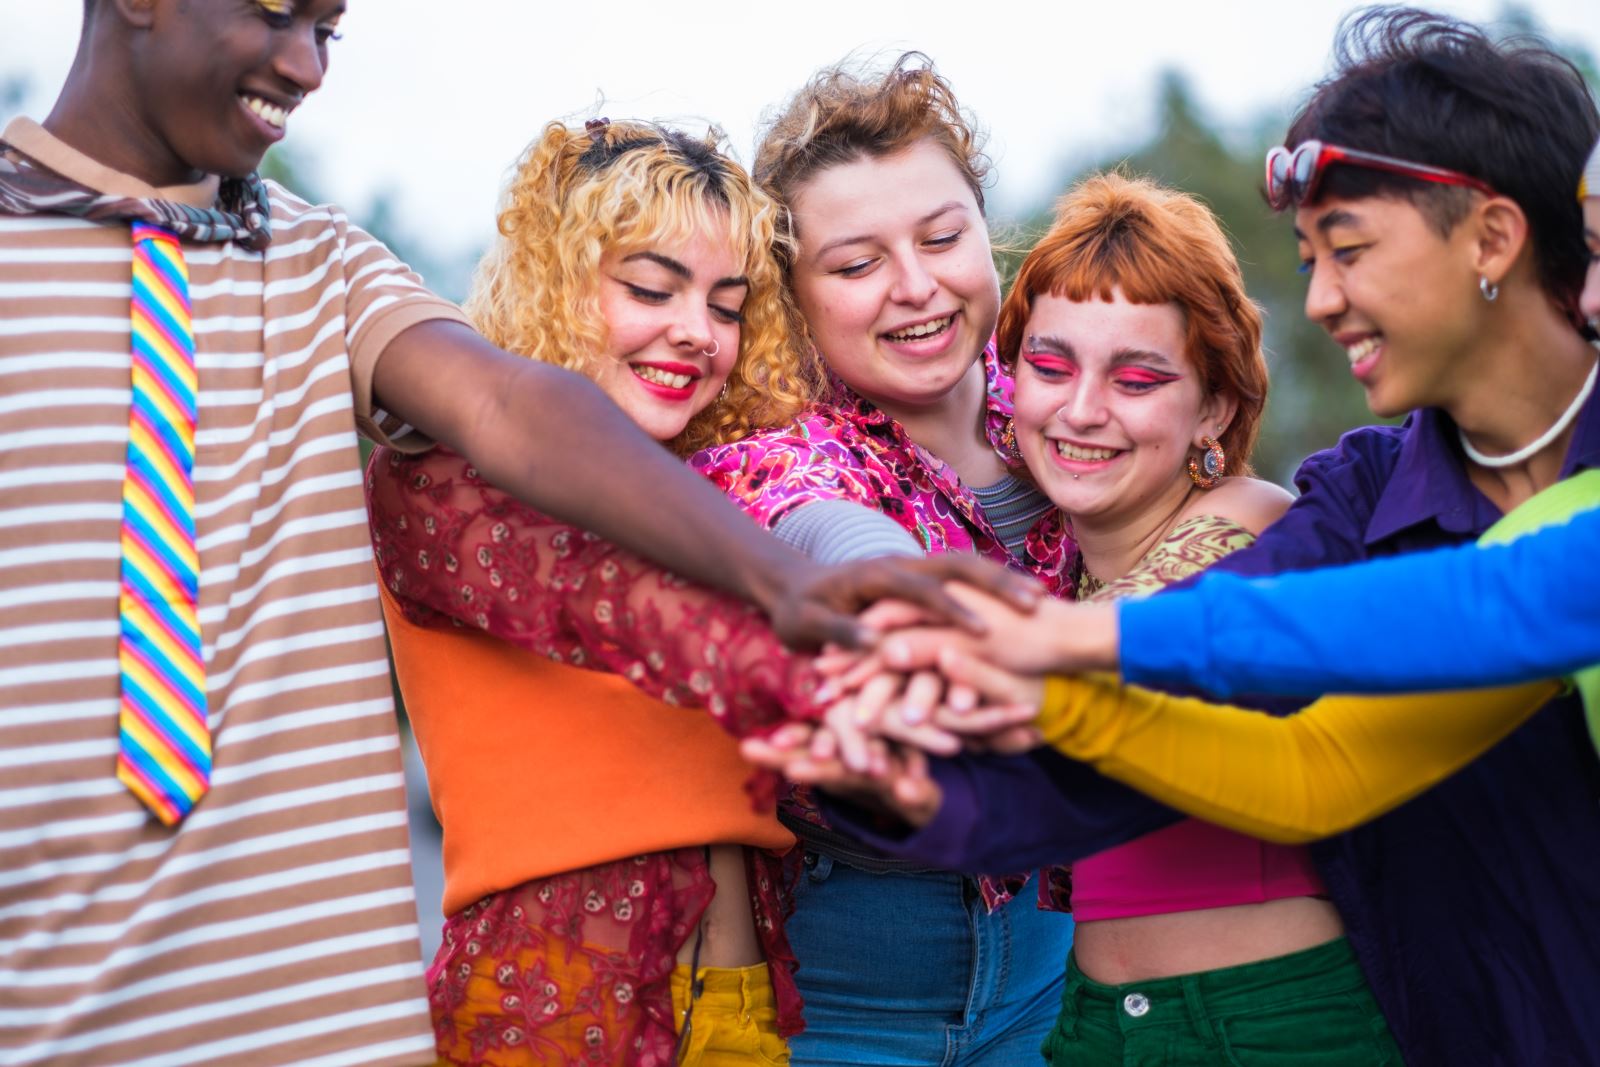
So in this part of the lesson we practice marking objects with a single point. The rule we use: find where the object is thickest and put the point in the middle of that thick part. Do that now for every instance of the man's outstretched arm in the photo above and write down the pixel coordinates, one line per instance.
(554, 440)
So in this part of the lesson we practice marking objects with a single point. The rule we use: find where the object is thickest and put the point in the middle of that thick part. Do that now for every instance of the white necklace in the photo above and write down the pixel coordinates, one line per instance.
(1544, 439)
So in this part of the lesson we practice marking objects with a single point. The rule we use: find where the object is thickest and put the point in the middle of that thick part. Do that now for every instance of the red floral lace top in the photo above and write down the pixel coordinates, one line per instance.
(456, 551)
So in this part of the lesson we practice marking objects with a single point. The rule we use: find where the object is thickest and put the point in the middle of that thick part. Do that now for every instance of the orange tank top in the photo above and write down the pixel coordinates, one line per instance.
(535, 767)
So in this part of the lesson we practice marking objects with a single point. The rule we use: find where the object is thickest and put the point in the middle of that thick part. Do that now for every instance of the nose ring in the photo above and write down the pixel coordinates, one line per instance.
(711, 353)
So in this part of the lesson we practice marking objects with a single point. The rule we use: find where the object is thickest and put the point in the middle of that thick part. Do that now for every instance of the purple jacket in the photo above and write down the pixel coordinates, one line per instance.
(1474, 909)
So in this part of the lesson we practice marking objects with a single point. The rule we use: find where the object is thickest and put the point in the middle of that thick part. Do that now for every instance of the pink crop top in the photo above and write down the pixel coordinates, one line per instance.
(1188, 866)
(1192, 864)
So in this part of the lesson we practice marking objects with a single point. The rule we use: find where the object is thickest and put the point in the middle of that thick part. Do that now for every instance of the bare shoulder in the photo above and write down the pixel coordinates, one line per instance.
(1251, 502)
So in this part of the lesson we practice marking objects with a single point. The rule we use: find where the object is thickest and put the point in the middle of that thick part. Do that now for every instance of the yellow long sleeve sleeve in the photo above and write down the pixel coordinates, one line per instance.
(1336, 764)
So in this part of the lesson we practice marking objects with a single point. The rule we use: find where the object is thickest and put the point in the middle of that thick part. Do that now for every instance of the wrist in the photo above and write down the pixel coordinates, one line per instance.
(1086, 640)
(772, 579)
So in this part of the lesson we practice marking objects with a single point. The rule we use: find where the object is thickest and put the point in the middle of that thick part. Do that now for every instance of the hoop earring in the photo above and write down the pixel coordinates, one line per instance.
(1206, 471)
(1489, 289)
(711, 353)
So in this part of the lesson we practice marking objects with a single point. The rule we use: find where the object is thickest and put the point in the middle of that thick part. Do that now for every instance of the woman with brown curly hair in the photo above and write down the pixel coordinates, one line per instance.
(606, 883)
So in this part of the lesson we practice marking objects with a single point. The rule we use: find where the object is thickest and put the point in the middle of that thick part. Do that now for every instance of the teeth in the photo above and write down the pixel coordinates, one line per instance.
(1071, 451)
(926, 329)
(1362, 349)
(271, 114)
(661, 377)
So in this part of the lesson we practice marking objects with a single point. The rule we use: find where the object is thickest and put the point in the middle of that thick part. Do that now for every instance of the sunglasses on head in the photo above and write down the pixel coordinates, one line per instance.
(1293, 177)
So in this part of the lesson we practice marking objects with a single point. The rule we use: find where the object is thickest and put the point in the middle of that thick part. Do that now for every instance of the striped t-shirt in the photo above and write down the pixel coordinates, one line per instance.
(276, 923)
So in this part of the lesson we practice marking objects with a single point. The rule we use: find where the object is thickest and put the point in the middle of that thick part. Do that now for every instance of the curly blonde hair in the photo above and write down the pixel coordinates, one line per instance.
(577, 194)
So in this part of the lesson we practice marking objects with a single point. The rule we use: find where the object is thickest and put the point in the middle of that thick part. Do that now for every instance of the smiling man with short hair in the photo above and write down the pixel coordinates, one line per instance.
(203, 849)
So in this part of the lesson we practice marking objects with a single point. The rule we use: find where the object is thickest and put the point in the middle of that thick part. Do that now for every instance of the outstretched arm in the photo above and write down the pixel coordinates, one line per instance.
(551, 438)
(450, 544)
(1335, 764)
(1470, 616)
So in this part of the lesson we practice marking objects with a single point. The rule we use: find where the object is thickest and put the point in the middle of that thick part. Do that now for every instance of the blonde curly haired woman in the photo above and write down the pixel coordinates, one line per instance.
(609, 888)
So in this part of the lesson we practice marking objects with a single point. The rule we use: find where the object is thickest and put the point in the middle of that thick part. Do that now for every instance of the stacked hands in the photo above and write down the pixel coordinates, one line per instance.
(934, 683)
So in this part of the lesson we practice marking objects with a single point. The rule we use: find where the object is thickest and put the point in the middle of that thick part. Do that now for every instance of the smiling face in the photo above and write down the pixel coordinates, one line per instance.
(894, 274)
(216, 80)
(1402, 301)
(1589, 302)
(672, 312)
(1109, 406)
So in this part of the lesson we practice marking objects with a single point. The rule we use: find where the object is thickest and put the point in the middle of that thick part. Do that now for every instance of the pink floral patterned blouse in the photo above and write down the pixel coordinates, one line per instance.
(849, 449)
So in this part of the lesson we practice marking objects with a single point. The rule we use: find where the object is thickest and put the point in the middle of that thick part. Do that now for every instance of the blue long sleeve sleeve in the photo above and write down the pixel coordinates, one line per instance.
(1456, 618)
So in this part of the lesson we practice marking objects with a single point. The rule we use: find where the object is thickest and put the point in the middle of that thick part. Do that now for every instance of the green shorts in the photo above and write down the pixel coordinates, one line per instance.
(1307, 1009)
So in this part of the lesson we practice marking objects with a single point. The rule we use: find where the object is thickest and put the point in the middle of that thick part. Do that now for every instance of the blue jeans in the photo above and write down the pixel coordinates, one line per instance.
(903, 968)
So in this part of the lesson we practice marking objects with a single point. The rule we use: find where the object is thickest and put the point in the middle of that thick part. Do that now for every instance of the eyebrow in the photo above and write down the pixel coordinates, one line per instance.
(1054, 345)
(840, 242)
(1337, 217)
(684, 272)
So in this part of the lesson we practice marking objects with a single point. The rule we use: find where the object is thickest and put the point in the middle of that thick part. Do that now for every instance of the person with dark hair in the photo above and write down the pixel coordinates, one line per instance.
(1431, 178)
(205, 854)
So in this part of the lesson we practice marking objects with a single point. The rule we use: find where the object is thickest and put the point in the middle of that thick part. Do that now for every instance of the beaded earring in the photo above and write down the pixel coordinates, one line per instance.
(1206, 470)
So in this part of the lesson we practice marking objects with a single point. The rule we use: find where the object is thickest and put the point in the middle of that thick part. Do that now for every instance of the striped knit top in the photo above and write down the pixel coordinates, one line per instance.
(276, 924)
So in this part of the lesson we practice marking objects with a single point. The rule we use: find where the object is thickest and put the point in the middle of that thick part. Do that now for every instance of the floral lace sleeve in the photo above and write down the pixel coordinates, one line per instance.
(451, 546)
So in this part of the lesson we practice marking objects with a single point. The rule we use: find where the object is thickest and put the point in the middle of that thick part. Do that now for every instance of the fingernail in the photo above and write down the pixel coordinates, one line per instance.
(913, 714)
(827, 693)
(896, 654)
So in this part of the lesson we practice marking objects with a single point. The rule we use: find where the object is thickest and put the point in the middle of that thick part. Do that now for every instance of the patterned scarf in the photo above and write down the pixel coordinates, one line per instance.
(243, 214)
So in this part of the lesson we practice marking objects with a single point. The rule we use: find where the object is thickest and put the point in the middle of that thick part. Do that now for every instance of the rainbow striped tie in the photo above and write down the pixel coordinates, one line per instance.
(166, 746)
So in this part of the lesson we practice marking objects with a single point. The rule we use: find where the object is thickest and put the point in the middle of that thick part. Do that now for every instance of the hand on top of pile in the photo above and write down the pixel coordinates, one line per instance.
(924, 688)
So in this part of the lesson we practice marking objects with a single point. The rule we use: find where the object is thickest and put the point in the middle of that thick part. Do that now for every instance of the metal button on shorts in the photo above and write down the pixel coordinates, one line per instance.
(1136, 1004)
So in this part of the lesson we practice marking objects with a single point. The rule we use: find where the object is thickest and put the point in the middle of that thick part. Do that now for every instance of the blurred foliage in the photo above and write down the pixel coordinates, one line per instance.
(384, 218)
(1313, 398)
(13, 91)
